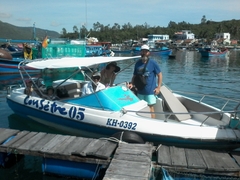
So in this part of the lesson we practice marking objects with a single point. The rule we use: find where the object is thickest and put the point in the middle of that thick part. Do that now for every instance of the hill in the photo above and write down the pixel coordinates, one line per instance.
(9, 31)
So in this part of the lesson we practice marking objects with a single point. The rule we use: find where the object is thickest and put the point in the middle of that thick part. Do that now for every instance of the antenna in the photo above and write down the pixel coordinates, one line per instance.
(34, 32)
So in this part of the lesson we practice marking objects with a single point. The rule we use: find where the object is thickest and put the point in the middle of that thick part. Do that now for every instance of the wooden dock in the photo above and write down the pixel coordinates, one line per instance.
(71, 148)
(56, 146)
(130, 162)
(120, 160)
(200, 161)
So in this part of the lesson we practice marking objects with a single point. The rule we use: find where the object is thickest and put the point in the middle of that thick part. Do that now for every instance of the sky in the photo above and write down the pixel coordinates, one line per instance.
(55, 15)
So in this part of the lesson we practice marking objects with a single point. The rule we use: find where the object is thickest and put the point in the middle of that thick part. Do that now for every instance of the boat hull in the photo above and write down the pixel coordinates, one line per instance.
(11, 67)
(205, 53)
(164, 52)
(97, 124)
(180, 120)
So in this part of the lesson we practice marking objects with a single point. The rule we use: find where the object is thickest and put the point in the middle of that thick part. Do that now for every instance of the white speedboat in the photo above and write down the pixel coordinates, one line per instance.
(117, 112)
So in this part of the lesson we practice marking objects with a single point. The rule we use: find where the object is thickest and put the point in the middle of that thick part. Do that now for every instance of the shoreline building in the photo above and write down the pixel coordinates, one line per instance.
(152, 38)
(184, 34)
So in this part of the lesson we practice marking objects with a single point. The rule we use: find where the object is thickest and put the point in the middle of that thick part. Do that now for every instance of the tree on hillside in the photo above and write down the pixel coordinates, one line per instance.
(64, 32)
(75, 29)
(203, 20)
(117, 34)
(172, 24)
(97, 26)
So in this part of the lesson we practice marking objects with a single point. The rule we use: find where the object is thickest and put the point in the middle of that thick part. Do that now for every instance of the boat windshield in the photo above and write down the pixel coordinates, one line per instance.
(113, 98)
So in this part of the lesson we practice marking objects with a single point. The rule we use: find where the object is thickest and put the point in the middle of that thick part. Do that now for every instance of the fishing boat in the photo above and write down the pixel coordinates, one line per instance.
(122, 50)
(209, 52)
(8, 79)
(11, 66)
(162, 51)
(154, 51)
(181, 119)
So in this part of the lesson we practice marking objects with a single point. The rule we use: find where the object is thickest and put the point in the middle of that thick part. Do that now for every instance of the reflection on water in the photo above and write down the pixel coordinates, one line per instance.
(25, 124)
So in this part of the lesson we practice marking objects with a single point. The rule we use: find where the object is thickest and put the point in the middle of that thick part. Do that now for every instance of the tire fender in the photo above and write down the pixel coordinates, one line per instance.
(129, 137)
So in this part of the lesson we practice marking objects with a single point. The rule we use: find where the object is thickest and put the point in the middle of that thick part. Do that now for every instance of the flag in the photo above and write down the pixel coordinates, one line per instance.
(45, 42)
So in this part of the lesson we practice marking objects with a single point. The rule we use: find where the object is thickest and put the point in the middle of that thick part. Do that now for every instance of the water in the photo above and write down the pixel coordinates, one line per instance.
(188, 72)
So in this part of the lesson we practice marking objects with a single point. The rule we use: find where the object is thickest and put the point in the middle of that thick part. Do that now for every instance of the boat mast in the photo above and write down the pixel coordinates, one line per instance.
(34, 32)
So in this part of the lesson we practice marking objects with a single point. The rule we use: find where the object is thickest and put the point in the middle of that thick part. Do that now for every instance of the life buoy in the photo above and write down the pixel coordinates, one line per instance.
(129, 137)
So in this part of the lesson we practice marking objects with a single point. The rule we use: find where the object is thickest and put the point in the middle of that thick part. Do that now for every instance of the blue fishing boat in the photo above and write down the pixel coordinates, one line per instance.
(9, 61)
(97, 50)
(208, 52)
(154, 51)
(11, 66)
(122, 50)
(162, 51)
(136, 50)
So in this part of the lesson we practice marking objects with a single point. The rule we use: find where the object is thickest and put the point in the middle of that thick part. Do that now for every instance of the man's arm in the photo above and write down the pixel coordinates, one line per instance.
(157, 89)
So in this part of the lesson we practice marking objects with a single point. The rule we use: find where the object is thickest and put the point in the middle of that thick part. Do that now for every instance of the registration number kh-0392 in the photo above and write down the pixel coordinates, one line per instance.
(121, 124)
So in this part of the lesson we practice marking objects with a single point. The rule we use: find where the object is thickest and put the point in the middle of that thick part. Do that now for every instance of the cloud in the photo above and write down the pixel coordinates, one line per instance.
(55, 24)
(24, 19)
(5, 15)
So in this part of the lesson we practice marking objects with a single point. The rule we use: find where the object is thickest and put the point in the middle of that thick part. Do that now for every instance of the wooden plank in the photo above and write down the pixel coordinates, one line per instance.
(219, 161)
(16, 138)
(130, 168)
(75, 158)
(91, 148)
(163, 156)
(134, 152)
(97, 148)
(110, 176)
(104, 152)
(53, 142)
(7, 133)
(58, 149)
(132, 157)
(236, 156)
(22, 140)
(145, 147)
(32, 141)
(78, 143)
(56, 144)
(237, 132)
(178, 156)
(38, 146)
(195, 159)
(134, 149)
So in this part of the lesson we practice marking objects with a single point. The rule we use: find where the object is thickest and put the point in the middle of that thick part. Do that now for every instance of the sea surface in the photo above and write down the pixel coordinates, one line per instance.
(188, 71)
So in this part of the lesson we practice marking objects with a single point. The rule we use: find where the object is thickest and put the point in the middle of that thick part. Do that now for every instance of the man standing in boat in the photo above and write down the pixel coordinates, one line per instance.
(145, 72)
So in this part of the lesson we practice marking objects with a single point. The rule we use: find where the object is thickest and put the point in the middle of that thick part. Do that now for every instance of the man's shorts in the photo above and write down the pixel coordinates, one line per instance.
(151, 99)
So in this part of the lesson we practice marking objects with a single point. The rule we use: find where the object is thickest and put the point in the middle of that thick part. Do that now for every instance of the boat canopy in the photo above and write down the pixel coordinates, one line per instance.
(68, 62)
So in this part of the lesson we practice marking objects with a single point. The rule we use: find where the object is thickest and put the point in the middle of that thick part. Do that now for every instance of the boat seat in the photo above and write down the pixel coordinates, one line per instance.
(74, 93)
(73, 89)
(72, 85)
(198, 107)
(174, 104)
